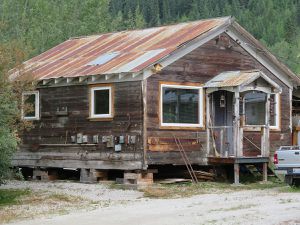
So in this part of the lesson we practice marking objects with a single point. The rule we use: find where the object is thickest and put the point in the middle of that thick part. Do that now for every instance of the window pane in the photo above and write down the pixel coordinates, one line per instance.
(180, 105)
(101, 102)
(255, 108)
(29, 105)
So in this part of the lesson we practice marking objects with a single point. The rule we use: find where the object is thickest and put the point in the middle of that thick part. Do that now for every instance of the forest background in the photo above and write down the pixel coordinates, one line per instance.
(37, 25)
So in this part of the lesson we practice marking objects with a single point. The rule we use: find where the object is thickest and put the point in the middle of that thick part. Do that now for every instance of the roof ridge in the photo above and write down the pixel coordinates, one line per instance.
(148, 28)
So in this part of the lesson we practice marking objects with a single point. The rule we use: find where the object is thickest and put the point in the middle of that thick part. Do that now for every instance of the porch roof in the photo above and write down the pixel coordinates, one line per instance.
(238, 79)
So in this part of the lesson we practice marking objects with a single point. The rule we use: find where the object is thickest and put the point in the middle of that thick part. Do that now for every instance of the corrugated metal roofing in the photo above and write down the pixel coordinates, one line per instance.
(232, 78)
(125, 51)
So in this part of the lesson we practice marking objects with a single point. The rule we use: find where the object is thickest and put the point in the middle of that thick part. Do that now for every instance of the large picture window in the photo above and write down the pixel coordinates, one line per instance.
(30, 105)
(181, 105)
(255, 109)
(101, 102)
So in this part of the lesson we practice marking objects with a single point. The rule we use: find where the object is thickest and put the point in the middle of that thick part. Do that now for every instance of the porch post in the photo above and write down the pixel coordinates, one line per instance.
(265, 133)
(265, 172)
(236, 125)
(208, 123)
(236, 173)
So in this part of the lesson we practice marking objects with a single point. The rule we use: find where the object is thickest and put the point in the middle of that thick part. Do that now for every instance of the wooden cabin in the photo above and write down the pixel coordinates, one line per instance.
(136, 99)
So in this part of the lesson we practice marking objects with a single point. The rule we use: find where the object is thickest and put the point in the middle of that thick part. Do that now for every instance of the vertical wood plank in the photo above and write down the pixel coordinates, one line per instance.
(265, 172)
(144, 93)
(267, 135)
(236, 173)
(236, 125)
(208, 124)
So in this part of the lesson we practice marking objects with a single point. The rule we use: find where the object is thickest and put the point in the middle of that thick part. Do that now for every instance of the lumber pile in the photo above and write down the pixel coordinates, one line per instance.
(206, 176)
(202, 175)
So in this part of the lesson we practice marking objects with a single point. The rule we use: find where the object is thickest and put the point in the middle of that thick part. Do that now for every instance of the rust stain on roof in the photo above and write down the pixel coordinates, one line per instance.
(133, 50)
(232, 78)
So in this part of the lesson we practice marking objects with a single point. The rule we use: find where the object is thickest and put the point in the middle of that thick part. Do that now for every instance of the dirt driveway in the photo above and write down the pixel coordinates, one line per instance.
(226, 206)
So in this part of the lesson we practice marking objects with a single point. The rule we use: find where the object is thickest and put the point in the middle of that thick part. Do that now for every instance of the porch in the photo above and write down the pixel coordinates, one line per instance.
(240, 111)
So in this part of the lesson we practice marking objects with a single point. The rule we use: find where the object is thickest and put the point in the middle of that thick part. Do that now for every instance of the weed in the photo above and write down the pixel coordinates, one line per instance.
(189, 189)
(11, 196)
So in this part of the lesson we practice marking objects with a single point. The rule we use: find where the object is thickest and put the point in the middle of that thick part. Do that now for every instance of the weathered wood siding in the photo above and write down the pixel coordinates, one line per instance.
(200, 66)
(54, 129)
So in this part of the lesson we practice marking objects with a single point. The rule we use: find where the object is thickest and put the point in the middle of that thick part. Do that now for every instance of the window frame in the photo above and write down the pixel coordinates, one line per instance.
(277, 126)
(198, 87)
(36, 108)
(277, 112)
(92, 106)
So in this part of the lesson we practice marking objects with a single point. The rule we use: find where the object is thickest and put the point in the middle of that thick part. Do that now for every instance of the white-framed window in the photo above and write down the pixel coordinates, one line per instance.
(101, 102)
(181, 105)
(31, 105)
(255, 109)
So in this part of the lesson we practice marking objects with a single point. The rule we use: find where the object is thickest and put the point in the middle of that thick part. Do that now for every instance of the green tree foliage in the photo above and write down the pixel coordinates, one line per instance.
(40, 24)
(270, 21)
(8, 112)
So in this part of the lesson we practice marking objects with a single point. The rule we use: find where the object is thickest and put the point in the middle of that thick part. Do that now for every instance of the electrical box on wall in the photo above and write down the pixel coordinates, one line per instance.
(118, 148)
(95, 139)
(117, 139)
(121, 140)
(104, 139)
(79, 138)
(110, 142)
(132, 139)
(84, 139)
(73, 139)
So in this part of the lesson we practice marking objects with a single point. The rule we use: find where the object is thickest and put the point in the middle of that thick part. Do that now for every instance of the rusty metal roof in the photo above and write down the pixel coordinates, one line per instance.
(232, 78)
(120, 52)
(240, 79)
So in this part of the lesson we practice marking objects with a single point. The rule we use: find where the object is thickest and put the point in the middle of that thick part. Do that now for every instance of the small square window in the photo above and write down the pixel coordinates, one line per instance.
(30, 105)
(101, 102)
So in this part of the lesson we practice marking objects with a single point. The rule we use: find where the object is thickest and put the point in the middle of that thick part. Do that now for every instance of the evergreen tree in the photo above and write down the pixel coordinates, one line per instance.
(139, 18)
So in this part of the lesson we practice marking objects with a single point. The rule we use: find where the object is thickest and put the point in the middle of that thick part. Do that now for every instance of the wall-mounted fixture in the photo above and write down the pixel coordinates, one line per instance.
(222, 101)
(61, 111)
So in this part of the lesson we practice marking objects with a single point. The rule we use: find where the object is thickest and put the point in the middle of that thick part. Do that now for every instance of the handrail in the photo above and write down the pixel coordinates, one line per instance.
(252, 143)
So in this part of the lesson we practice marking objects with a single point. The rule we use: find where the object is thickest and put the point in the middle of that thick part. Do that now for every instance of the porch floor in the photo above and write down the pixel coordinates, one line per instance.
(236, 160)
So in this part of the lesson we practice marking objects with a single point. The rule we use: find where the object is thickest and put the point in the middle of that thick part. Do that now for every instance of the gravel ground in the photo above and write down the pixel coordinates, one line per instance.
(93, 192)
(237, 207)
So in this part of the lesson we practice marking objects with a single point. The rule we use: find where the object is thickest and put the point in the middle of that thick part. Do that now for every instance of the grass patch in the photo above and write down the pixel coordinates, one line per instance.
(12, 196)
(292, 189)
(189, 189)
(25, 204)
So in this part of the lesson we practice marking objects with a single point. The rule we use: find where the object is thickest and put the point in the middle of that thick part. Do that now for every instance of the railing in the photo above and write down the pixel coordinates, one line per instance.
(223, 141)
(265, 134)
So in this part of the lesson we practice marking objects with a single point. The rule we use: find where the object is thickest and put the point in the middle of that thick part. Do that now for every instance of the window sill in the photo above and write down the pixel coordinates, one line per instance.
(31, 119)
(162, 127)
(258, 129)
(100, 119)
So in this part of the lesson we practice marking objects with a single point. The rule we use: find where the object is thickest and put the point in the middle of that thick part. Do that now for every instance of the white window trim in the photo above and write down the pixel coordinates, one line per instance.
(92, 109)
(37, 105)
(277, 112)
(200, 105)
